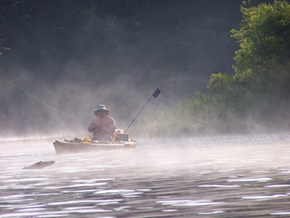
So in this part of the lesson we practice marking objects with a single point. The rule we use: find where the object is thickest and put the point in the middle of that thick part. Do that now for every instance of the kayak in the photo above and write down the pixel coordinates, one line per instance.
(62, 147)
(79, 146)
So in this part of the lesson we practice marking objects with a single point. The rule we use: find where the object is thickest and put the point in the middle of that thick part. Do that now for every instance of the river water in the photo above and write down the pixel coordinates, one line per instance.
(234, 176)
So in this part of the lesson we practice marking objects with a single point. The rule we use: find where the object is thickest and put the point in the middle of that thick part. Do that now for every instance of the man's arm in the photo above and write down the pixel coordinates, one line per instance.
(93, 126)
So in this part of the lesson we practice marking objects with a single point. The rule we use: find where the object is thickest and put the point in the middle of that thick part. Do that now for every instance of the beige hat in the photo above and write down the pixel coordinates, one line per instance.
(102, 107)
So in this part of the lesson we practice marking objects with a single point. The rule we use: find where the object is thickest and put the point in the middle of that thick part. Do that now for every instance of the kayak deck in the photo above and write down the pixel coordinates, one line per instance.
(70, 147)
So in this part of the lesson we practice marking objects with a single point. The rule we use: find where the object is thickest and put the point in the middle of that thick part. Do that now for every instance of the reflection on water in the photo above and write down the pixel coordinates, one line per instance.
(184, 178)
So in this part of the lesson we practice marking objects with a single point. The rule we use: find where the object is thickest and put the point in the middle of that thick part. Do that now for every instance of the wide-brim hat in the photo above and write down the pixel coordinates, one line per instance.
(102, 107)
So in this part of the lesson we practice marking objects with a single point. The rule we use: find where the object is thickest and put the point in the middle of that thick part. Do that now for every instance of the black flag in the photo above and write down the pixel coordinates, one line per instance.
(156, 93)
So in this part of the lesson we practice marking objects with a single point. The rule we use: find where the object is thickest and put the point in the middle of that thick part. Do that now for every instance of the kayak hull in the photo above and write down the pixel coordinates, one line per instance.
(63, 147)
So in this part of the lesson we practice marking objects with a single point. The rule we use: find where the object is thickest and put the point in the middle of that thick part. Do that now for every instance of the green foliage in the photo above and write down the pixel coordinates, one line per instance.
(262, 64)
(264, 38)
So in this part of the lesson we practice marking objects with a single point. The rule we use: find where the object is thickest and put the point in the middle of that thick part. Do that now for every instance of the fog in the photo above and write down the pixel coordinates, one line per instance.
(61, 97)
(61, 77)
(67, 105)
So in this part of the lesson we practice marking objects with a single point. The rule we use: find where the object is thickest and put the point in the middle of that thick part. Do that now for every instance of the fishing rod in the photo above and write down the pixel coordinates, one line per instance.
(155, 95)
(43, 101)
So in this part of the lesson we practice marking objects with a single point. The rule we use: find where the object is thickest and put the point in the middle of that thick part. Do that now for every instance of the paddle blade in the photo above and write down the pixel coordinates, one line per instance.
(156, 93)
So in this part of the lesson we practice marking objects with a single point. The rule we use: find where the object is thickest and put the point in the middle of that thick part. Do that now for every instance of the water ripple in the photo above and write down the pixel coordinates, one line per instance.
(179, 203)
(209, 180)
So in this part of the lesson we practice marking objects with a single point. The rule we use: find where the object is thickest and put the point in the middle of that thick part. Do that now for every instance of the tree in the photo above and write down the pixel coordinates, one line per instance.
(264, 38)
(260, 87)
(263, 60)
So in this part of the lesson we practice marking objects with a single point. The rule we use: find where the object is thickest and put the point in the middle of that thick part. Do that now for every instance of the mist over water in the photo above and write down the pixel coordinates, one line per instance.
(102, 60)
(68, 105)
(61, 76)
(97, 64)
(228, 176)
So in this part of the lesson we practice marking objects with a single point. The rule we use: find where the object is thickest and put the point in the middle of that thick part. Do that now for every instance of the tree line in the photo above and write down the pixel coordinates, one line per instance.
(190, 37)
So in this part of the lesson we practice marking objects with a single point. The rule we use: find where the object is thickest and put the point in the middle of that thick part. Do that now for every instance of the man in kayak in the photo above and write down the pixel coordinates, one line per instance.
(103, 126)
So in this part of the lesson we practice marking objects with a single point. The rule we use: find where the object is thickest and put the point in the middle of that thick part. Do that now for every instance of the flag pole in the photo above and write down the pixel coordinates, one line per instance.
(155, 95)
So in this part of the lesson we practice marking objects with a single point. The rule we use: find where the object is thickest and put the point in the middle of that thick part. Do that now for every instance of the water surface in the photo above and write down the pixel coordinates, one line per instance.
(241, 176)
